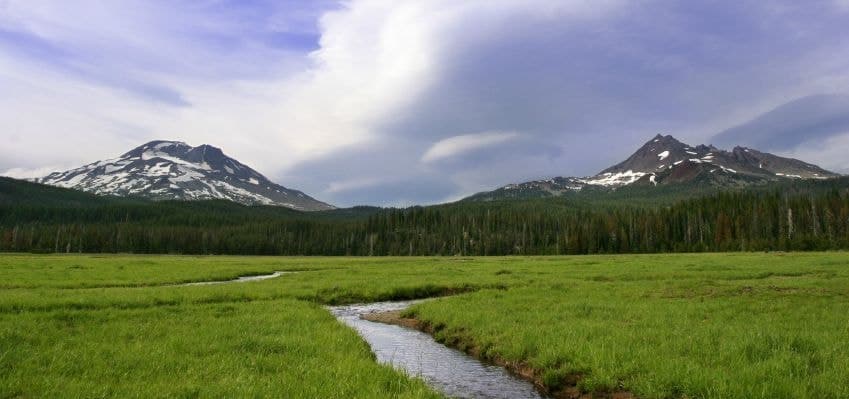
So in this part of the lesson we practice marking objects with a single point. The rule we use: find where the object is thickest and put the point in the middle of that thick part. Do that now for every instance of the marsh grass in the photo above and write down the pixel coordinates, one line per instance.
(280, 348)
(765, 327)
(708, 326)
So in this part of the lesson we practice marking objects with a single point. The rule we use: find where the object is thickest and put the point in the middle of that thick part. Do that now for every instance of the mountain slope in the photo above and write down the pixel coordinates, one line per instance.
(664, 161)
(14, 192)
(171, 170)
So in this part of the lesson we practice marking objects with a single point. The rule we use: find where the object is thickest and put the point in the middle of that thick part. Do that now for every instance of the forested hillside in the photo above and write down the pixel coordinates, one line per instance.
(802, 215)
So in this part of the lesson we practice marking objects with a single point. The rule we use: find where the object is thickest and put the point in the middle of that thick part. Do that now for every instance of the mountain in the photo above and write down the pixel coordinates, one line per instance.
(665, 161)
(173, 170)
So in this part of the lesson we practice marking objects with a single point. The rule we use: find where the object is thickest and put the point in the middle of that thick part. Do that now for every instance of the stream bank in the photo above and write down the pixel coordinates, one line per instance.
(449, 371)
(569, 390)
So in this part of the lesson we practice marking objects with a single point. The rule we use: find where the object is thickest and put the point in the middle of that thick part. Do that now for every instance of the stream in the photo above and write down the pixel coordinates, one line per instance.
(447, 370)
(243, 279)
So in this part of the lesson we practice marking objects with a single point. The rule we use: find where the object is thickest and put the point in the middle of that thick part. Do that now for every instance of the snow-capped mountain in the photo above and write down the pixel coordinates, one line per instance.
(172, 170)
(663, 154)
(664, 160)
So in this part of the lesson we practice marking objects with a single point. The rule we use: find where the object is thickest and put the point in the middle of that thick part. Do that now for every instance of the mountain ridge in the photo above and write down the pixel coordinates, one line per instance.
(174, 170)
(664, 160)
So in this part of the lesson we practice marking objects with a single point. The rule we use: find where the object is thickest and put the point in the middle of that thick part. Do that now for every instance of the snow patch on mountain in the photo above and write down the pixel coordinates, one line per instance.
(171, 170)
(614, 179)
(665, 160)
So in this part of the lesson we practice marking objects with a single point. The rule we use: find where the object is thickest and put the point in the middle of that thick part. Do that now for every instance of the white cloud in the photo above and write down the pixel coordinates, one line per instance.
(458, 145)
(49, 119)
(25, 173)
(78, 92)
(375, 59)
(395, 85)
(829, 153)
(348, 185)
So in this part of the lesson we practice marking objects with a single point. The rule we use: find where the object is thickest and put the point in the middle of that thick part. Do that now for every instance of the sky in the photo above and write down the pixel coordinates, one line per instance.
(401, 102)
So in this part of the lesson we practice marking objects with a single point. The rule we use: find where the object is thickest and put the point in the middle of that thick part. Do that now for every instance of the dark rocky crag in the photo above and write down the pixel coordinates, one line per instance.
(665, 161)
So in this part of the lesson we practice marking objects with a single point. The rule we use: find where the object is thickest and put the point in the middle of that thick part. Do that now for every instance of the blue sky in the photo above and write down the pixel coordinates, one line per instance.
(410, 102)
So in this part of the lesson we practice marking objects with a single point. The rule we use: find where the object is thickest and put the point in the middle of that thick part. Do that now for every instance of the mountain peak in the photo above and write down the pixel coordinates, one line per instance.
(664, 153)
(665, 160)
(651, 155)
(166, 146)
(154, 143)
(174, 170)
(661, 139)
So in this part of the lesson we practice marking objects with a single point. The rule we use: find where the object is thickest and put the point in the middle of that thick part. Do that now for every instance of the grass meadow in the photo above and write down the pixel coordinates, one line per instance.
(660, 326)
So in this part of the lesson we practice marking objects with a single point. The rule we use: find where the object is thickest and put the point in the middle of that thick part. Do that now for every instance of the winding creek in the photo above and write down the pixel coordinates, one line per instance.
(243, 279)
(448, 370)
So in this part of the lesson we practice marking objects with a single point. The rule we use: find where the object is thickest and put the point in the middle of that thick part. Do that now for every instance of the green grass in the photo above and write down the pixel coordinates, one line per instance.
(712, 326)
(281, 348)
(660, 326)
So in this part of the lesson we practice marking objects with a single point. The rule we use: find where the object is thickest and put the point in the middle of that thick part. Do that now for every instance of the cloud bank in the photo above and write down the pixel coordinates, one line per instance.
(465, 143)
(406, 102)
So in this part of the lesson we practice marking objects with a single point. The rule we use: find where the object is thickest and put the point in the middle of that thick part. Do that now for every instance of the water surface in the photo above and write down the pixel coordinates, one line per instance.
(448, 370)
(243, 279)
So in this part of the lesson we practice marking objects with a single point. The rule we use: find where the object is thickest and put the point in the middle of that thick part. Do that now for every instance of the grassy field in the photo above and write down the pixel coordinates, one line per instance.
(707, 326)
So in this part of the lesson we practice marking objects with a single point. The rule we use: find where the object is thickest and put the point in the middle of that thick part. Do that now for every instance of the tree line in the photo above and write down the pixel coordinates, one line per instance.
(804, 217)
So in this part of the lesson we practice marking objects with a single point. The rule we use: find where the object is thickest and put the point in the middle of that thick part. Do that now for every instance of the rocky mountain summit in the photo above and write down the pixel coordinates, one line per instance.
(173, 170)
(664, 160)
